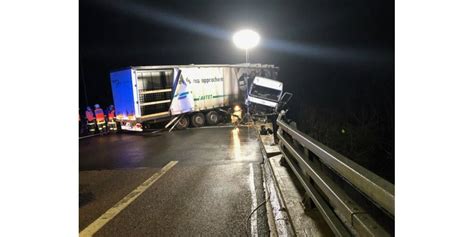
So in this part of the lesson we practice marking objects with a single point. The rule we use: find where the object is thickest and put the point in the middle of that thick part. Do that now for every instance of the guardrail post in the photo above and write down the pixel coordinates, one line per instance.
(307, 202)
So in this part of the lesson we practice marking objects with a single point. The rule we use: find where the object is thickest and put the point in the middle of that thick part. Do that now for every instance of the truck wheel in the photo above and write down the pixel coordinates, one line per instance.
(198, 120)
(212, 118)
(183, 123)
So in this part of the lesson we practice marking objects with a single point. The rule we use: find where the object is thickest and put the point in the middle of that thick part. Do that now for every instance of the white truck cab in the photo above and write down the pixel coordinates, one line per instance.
(265, 94)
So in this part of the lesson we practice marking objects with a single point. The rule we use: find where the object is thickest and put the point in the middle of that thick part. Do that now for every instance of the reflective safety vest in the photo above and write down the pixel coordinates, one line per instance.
(99, 114)
(111, 115)
(89, 115)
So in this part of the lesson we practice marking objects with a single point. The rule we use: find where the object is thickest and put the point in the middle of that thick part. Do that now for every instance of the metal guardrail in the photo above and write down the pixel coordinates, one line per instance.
(315, 166)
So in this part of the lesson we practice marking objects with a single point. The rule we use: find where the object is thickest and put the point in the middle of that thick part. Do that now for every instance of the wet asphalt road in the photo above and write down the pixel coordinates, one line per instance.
(208, 192)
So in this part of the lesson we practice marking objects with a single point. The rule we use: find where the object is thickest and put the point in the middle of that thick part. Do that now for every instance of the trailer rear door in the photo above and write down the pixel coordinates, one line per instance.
(155, 92)
(122, 90)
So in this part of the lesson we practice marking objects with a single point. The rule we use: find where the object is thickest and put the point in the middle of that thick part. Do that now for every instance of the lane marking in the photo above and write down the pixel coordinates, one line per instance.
(93, 135)
(122, 204)
(253, 218)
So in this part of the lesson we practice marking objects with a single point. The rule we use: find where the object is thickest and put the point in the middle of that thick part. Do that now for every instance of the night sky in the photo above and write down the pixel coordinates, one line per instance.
(337, 57)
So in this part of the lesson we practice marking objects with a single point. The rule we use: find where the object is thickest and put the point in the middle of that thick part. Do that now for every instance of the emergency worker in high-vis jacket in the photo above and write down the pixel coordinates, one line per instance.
(111, 124)
(90, 120)
(100, 118)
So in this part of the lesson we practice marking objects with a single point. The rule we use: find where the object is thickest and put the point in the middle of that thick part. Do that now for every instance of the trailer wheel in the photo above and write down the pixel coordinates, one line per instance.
(183, 123)
(146, 125)
(212, 117)
(198, 120)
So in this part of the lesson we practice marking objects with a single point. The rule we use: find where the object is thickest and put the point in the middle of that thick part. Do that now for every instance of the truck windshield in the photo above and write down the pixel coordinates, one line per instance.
(265, 92)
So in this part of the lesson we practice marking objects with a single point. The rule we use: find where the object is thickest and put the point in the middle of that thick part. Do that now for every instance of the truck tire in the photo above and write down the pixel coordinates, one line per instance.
(198, 120)
(183, 123)
(146, 126)
(212, 117)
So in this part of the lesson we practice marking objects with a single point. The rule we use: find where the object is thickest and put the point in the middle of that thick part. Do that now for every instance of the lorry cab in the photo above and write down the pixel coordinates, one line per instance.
(265, 91)
(265, 95)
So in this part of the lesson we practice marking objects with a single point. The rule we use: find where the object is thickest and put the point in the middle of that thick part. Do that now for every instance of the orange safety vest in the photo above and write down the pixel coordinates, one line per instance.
(111, 115)
(89, 116)
(99, 114)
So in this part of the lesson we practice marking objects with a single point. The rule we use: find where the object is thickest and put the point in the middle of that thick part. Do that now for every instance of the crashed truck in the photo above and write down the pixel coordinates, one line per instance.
(192, 94)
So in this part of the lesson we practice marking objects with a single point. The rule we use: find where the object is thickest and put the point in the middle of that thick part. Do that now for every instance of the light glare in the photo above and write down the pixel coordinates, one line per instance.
(246, 39)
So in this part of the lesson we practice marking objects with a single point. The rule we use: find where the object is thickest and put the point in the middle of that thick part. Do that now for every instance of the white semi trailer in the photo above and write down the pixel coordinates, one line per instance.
(197, 93)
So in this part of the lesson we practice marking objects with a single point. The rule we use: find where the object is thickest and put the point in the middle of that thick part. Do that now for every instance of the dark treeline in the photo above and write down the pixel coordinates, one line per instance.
(349, 108)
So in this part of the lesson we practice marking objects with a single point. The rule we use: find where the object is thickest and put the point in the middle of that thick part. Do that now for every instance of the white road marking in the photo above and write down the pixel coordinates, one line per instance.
(253, 218)
(122, 204)
(88, 136)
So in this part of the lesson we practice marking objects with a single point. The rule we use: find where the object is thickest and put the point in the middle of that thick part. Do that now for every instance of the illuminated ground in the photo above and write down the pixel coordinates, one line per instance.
(207, 193)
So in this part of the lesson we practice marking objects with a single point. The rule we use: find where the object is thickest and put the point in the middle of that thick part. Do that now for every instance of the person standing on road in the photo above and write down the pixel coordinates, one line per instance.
(111, 124)
(90, 120)
(100, 118)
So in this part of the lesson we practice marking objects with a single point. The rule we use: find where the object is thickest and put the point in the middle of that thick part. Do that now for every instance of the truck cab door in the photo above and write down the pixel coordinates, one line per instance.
(284, 99)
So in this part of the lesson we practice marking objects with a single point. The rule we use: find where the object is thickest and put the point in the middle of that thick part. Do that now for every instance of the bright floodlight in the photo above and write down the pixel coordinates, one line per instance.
(246, 39)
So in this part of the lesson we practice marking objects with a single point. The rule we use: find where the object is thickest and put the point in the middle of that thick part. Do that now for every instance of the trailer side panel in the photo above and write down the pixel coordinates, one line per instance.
(203, 88)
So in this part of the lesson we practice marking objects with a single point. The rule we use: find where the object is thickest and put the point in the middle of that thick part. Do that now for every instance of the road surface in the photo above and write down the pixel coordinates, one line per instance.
(210, 191)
